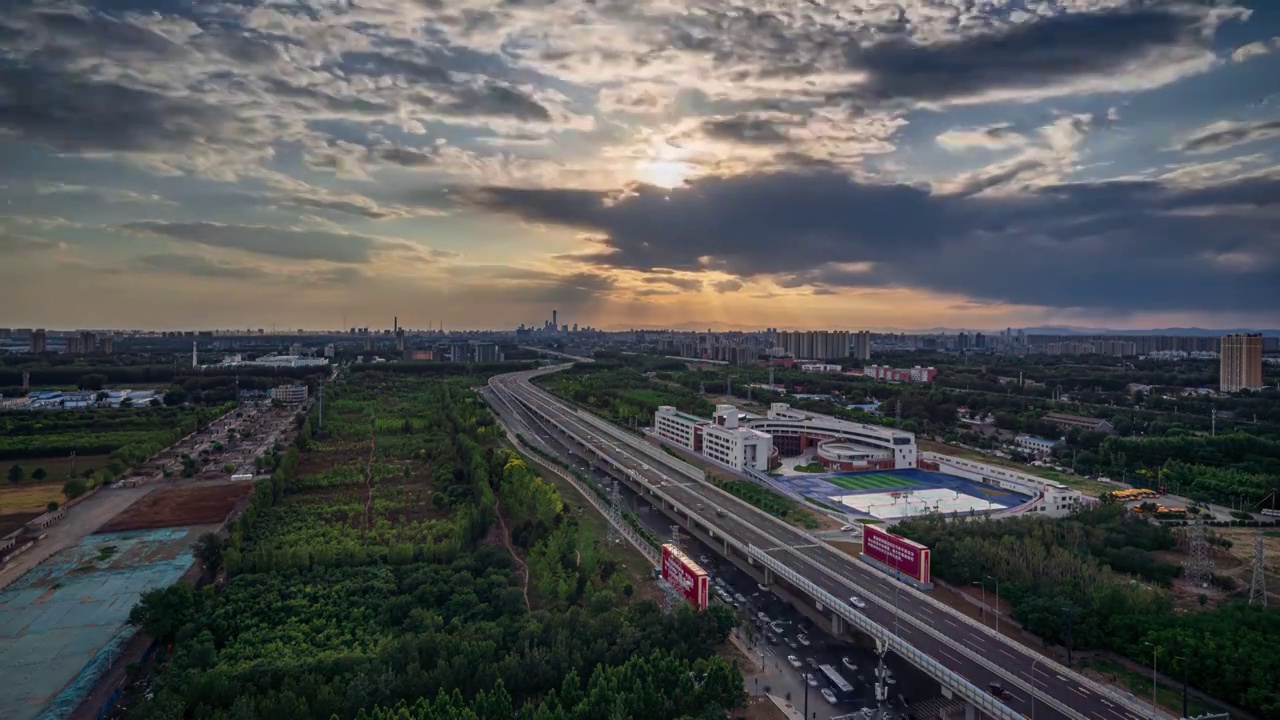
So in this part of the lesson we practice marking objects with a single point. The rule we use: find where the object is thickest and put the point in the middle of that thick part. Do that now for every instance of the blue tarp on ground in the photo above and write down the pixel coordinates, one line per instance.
(63, 622)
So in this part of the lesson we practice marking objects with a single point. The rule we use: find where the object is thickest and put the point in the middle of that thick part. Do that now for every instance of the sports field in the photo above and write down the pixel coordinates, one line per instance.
(871, 481)
(893, 494)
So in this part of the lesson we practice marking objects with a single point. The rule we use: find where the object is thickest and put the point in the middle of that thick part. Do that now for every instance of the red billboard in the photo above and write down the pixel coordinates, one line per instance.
(906, 556)
(686, 576)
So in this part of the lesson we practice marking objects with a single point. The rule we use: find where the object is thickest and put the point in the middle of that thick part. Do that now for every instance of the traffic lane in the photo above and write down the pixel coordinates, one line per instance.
(1066, 691)
(944, 655)
(1031, 667)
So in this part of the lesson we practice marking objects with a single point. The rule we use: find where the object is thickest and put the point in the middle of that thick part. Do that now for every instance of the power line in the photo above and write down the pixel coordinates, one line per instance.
(1258, 586)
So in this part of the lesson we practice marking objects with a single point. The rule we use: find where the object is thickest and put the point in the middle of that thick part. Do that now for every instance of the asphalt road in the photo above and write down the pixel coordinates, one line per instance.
(818, 564)
(781, 677)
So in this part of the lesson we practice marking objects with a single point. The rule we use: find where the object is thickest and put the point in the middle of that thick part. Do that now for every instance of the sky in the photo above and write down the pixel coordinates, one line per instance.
(732, 164)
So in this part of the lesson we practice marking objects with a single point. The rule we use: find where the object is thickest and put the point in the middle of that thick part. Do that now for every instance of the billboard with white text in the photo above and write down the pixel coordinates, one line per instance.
(906, 556)
(685, 576)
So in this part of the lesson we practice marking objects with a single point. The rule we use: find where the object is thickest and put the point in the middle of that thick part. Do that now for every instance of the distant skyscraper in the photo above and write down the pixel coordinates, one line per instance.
(861, 349)
(39, 341)
(554, 326)
(1241, 363)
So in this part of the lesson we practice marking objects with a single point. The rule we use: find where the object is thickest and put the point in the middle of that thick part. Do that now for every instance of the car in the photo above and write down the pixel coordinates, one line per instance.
(739, 597)
(803, 639)
(846, 528)
(762, 587)
(704, 559)
(795, 661)
(828, 695)
(773, 639)
(997, 690)
(857, 602)
(813, 663)
(792, 644)
(777, 626)
(848, 665)
(762, 617)
(810, 680)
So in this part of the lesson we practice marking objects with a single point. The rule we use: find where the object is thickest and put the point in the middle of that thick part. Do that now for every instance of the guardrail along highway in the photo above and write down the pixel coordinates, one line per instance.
(964, 656)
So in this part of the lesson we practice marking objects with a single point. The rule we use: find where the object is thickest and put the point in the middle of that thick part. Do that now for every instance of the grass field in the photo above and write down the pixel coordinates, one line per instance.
(30, 497)
(870, 481)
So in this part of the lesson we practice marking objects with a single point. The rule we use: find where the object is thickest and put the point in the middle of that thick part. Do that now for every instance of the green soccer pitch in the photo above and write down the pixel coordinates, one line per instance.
(870, 481)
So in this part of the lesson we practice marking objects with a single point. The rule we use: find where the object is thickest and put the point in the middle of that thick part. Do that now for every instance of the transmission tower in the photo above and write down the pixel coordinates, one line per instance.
(702, 387)
(1258, 588)
(1199, 564)
(770, 373)
(897, 414)
(615, 513)
(728, 386)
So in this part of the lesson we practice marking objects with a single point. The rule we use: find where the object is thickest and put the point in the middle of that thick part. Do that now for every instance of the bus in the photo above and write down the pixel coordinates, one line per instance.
(1271, 513)
(839, 683)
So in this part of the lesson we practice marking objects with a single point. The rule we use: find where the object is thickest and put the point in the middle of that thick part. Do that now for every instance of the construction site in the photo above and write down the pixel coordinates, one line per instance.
(70, 578)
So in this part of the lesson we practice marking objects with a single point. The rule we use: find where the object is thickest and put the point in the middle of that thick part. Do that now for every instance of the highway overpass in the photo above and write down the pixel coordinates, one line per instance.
(963, 655)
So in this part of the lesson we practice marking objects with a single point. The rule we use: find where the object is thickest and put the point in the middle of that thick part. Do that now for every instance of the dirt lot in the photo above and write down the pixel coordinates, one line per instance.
(13, 521)
(180, 506)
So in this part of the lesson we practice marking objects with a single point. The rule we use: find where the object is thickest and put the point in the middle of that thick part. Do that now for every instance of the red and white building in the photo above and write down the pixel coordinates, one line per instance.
(917, 374)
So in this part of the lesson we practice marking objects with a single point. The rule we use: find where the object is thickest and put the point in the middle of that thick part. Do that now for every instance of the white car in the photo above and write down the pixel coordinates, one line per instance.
(848, 665)
(846, 528)
(795, 661)
(803, 640)
(828, 695)
(762, 617)
(857, 602)
(762, 587)
(811, 680)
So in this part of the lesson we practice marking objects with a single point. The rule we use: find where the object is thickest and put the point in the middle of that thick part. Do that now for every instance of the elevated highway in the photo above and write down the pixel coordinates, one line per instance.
(964, 656)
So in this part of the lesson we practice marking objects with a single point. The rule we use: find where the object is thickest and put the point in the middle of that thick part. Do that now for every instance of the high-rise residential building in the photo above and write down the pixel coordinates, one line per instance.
(861, 349)
(108, 343)
(1241, 363)
(39, 341)
(815, 345)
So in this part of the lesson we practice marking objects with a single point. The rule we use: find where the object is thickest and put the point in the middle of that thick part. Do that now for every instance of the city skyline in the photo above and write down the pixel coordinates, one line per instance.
(848, 164)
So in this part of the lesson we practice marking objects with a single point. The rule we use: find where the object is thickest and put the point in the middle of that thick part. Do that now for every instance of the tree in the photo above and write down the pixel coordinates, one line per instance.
(163, 611)
(16, 474)
(92, 381)
(209, 552)
(126, 403)
(39, 474)
(74, 488)
(51, 506)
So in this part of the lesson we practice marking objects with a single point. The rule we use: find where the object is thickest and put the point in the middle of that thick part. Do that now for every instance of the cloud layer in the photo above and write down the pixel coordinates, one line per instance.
(639, 162)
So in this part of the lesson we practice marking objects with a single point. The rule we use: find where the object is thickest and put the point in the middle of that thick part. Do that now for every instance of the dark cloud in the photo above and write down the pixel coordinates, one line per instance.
(745, 129)
(405, 157)
(727, 286)
(495, 101)
(1108, 245)
(317, 99)
(1030, 55)
(57, 109)
(684, 283)
(1226, 135)
(278, 242)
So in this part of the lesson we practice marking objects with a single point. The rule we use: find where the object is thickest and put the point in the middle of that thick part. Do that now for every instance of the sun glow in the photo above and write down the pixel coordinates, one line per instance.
(665, 166)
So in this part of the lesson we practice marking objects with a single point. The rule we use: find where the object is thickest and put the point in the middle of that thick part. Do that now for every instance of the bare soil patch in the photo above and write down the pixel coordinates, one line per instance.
(181, 506)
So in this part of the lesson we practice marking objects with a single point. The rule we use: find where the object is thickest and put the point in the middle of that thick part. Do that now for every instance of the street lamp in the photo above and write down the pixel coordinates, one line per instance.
(1184, 684)
(997, 601)
(1033, 686)
(983, 610)
(1155, 656)
(897, 610)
